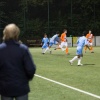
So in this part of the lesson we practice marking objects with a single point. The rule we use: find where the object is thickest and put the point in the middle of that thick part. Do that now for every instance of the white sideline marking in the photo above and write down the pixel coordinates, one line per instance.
(73, 88)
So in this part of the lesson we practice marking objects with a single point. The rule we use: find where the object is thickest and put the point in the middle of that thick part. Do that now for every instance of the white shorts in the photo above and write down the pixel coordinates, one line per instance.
(90, 44)
(64, 44)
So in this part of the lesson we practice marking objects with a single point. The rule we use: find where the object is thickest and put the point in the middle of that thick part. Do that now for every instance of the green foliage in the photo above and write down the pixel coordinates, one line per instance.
(32, 15)
(2, 8)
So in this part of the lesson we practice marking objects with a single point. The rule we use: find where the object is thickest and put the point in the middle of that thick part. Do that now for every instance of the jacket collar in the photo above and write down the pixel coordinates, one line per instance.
(11, 41)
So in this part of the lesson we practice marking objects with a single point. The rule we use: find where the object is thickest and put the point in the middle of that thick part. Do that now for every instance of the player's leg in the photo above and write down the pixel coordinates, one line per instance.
(80, 55)
(73, 59)
(85, 48)
(50, 45)
(43, 48)
(91, 47)
(62, 45)
(48, 48)
(77, 57)
(57, 47)
(58, 44)
(79, 60)
(66, 45)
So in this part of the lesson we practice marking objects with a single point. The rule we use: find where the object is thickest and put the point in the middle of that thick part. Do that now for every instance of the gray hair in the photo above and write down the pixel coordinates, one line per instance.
(11, 31)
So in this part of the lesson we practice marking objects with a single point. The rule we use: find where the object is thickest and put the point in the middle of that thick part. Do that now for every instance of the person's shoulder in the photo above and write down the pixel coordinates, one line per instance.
(23, 46)
(87, 34)
(2, 45)
(83, 37)
(47, 38)
(62, 34)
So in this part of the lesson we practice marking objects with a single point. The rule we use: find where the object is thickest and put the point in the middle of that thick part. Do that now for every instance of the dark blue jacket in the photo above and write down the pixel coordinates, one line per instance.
(16, 69)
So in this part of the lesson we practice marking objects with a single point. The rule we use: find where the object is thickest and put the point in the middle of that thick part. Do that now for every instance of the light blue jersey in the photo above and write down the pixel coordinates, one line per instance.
(45, 42)
(53, 39)
(80, 44)
(82, 41)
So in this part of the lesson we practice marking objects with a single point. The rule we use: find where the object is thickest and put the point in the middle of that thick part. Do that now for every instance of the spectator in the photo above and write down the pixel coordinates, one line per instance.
(16, 66)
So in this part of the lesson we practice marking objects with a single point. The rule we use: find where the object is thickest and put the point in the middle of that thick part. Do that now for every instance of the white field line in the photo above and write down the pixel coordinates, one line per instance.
(73, 88)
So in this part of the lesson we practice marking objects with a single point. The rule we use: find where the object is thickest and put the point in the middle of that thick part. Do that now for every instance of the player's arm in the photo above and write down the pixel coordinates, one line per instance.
(66, 39)
(42, 42)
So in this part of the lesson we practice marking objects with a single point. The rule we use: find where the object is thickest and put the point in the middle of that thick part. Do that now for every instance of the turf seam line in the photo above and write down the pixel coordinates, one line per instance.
(73, 88)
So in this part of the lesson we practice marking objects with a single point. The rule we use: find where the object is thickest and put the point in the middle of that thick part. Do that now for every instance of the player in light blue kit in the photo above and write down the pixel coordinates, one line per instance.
(81, 42)
(45, 43)
(54, 39)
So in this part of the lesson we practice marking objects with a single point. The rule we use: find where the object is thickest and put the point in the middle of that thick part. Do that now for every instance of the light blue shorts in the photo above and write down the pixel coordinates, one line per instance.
(79, 50)
(44, 46)
(51, 43)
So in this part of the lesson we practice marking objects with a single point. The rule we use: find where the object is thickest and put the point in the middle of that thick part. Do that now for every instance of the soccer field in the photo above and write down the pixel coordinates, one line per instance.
(59, 75)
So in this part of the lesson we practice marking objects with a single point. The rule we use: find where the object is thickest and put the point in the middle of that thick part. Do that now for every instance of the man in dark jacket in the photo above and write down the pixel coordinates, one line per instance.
(16, 66)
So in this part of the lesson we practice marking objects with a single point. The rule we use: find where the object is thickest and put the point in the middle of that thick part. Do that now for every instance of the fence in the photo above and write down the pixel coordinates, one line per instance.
(71, 41)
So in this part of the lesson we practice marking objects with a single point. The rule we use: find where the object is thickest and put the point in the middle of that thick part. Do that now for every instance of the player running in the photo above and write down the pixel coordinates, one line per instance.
(80, 44)
(64, 41)
(54, 39)
(45, 43)
(89, 36)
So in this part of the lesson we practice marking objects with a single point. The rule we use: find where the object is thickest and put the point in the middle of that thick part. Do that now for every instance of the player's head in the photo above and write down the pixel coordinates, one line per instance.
(90, 31)
(58, 33)
(45, 35)
(65, 31)
(11, 31)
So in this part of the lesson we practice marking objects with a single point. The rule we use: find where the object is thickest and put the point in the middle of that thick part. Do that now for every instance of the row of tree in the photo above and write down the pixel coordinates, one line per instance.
(36, 17)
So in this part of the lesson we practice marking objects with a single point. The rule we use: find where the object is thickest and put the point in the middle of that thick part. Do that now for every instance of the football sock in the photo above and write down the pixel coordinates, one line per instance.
(75, 58)
(46, 49)
(61, 47)
(79, 60)
(67, 50)
(43, 50)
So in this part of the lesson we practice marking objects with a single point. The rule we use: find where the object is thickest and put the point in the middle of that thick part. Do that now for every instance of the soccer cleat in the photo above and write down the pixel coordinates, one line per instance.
(92, 52)
(70, 62)
(43, 53)
(80, 64)
(55, 49)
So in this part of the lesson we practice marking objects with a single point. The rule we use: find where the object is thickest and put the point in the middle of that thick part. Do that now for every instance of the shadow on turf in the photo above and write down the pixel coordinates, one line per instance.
(88, 64)
(70, 56)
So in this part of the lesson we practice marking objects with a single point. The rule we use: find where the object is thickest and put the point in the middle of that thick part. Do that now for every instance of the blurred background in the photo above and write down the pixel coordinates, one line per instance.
(36, 17)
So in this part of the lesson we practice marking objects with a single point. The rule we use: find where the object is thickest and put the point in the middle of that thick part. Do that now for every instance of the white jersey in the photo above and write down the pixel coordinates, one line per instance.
(82, 41)
(53, 38)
